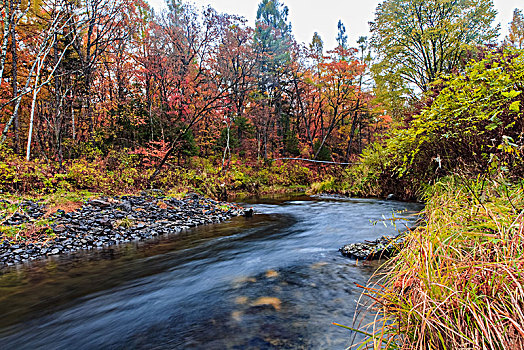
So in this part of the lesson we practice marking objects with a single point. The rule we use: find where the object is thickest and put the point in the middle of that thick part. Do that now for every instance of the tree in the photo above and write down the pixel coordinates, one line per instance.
(97, 76)
(342, 37)
(516, 30)
(49, 21)
(357, 118)
(103, 20)
(192, 89)
(273, 42)
(417, 40)
(475, 121)
(317, 45)
(328, 96)
(339, 84)
(236, 62)
(12, 13)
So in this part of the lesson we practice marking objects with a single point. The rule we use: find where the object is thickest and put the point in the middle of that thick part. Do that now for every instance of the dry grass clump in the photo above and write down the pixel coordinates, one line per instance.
(459, 281)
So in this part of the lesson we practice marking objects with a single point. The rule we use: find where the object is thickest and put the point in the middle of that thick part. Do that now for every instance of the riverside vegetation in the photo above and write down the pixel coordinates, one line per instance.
(457, 281)
(167, 107)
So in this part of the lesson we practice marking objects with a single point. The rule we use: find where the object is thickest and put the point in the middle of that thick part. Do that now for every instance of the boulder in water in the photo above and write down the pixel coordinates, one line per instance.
(383, 248)
(392, 197)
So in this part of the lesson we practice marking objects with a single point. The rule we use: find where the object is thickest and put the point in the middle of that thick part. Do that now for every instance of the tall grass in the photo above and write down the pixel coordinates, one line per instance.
(458, 283)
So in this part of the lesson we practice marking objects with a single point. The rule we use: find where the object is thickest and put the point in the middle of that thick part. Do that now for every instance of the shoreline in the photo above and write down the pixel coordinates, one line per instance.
(107, 221)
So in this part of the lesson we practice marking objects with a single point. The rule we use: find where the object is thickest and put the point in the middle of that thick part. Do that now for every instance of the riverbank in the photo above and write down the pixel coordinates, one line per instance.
(31, 231)
(119, 173)
(457, 281)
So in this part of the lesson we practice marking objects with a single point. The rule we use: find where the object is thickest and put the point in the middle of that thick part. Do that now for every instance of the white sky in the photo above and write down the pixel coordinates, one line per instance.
(310, 16)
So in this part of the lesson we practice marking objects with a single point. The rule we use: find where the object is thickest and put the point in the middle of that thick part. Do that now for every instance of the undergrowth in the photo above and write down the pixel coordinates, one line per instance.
(121, 173)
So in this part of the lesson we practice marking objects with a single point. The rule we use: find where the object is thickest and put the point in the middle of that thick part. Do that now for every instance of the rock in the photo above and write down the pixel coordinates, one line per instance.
(55, 251)
(99, 203)
(391, 197)
(382, 248)
(105, 222)
(192, 195)
(59, 229)
(152, 214)
(125, 206)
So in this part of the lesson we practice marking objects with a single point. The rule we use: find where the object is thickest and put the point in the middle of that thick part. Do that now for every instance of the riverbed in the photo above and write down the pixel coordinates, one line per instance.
(273, 281)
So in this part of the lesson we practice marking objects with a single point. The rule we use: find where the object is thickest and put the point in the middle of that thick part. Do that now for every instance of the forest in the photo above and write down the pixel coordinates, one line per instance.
(106, 79)
(112, 97)
(97, 89)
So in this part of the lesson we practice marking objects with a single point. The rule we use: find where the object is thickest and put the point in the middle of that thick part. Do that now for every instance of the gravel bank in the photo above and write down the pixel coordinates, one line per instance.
(108, 221)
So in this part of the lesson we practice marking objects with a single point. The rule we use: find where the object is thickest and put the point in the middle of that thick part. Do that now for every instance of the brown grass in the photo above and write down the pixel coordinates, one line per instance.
(459, 281)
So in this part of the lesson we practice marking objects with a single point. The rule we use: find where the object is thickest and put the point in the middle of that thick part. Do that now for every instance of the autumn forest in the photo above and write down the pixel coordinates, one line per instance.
(113, 74)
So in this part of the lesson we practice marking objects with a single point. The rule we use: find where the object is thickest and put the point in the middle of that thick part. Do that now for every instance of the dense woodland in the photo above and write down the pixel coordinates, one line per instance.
(100, 80)
(115, 75)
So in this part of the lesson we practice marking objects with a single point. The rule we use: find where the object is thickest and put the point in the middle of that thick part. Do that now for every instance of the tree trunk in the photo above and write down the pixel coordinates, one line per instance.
(36, 90)
(227, 150)
(8, 20)
(15, 86)
(352, 132)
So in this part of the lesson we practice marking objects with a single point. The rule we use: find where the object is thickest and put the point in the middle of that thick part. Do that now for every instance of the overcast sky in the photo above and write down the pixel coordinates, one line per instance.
(322, 16)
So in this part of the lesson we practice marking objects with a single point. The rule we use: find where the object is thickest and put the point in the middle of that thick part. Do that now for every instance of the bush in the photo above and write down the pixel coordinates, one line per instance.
(474, 123)
(476, 117)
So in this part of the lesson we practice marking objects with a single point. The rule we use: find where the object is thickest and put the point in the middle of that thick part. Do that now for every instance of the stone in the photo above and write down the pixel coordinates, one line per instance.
(192, 195)
(382, 248)
(391, 197)
(153, 216)
(99, 203)
(59, 229)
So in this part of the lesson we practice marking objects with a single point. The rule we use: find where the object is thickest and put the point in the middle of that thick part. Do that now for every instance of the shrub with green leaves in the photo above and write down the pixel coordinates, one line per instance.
(474, 124)
(476, 118)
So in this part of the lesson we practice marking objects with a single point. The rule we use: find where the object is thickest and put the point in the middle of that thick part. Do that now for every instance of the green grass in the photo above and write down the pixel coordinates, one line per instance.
(125, 223)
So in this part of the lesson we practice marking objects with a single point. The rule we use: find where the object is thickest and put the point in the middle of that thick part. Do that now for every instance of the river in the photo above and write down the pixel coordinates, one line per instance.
(273, 281)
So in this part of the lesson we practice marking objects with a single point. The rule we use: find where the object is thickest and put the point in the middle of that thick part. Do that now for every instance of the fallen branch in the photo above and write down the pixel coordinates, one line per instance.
(314, 161)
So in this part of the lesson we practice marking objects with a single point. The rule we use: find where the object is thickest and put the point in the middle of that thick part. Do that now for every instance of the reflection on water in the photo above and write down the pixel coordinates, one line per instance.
(274, 281)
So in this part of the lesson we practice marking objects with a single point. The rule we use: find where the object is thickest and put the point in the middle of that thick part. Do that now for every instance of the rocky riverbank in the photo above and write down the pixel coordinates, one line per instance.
(108, 221)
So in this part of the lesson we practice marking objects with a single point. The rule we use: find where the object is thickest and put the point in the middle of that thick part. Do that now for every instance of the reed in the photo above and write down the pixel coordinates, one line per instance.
(458, 282)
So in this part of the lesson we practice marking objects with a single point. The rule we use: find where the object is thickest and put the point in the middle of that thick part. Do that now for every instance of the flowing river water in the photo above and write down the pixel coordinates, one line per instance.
(273, 281)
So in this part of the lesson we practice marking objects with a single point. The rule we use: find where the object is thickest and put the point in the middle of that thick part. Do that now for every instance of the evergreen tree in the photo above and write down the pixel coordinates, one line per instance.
(317, 45)
(273, 42)
(342, 37)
